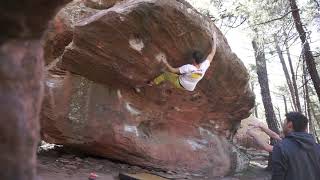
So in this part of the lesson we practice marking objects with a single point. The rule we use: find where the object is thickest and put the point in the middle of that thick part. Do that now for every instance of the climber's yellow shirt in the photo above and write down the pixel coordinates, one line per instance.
(191, 75)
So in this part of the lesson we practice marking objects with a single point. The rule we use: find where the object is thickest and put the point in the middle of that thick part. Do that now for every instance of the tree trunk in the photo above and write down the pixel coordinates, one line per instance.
(264, 85)
(285, 104)
(296, 100)
(279, 116)
(285, 70)
(315, 113)
(307, 100)
(291, 104)
(255, 105)
(265, 92)
(256, 110)
(311, 66)
(317, 4)
(316, 123)
(305, 108)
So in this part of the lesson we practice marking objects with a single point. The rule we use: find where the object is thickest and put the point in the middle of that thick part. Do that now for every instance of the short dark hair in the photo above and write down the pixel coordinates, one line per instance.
(299, 121)
(197, 57)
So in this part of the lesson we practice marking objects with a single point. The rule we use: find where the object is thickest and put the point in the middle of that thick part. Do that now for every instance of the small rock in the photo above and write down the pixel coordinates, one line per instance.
(197, 175)
(187, 174)
(135, 168)
(123, 166)
(99, 167)
(78, 159)
(68, 156)
(69, 166)
(63, 161)
(138, 90)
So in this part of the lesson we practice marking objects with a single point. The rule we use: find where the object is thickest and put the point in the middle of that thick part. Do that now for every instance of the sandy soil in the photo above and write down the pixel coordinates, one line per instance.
(59, 164)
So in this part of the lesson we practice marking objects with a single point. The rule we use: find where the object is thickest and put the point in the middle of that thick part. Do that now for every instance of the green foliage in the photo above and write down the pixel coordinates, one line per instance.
(310, 11)
(263, 18)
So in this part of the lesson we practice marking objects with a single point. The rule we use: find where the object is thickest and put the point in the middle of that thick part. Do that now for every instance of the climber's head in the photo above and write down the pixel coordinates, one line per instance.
(197, 57)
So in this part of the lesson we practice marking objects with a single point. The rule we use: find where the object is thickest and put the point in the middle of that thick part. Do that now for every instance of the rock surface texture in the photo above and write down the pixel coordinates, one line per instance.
(21, 83)
(91, 102)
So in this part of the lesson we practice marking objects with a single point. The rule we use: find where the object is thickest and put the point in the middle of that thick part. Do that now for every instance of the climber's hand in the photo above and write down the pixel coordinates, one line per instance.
(164, 61)
(214, 47)
(170, 68)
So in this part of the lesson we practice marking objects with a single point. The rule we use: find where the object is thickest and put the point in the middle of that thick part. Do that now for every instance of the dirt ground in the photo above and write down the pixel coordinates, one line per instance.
(60, 164)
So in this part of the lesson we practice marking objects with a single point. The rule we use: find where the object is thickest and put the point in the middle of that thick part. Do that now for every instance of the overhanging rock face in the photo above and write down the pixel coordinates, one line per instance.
(91, 103)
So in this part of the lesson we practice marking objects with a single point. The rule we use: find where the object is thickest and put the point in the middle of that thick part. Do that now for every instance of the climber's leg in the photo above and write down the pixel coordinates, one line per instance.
(168, 76)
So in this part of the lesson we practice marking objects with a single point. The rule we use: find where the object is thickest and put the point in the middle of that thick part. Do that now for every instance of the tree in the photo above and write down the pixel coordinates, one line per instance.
(244, 12)
(285, 103)
(253, 80)
(282, 92)
(307, 100)
(296, 100)
(310, 62)
(265, 91)
(286, 73)
(255, 105)
(264, 85)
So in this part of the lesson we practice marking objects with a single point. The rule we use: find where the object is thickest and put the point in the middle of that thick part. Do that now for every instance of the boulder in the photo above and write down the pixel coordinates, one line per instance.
(21, 83)
(96, 99)
(243, 139)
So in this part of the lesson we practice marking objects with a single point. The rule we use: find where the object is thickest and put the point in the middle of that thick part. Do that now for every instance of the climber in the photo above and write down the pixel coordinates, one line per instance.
(187, 76)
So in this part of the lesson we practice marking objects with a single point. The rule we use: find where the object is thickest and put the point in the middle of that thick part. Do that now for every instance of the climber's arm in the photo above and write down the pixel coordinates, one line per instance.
(268, 131)
(170, 68)
(214, 47)
(271, 133)
(263, 144)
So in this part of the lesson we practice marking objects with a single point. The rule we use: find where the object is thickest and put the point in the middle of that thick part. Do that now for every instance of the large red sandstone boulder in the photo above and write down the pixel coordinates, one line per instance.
(21, 83)
(91, 103)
